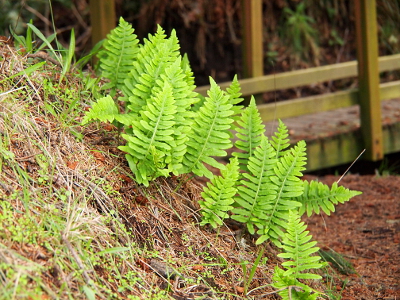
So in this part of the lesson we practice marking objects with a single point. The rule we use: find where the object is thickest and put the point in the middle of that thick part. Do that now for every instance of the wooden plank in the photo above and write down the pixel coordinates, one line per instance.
(389, 90)
(333, 151)
(320, 103)
(368, 78)
(391, 138)
(253, 54)
(344, 148)
(252, 86)
(103, 20)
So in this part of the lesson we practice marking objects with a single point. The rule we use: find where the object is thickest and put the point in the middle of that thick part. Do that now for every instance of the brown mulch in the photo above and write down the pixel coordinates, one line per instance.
(366, 231)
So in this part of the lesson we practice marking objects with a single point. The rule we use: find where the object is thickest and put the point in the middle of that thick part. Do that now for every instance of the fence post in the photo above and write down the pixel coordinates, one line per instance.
(103, 20)
(253, 55)
(368, 77)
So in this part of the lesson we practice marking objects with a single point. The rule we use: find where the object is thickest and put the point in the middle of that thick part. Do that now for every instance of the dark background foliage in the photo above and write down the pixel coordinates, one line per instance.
(297, 34)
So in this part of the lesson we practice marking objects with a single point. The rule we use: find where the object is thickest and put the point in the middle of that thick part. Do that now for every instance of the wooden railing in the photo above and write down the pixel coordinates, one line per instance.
(313, 104)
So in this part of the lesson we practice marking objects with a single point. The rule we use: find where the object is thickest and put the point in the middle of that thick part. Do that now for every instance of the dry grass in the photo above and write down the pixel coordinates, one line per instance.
(75, 225)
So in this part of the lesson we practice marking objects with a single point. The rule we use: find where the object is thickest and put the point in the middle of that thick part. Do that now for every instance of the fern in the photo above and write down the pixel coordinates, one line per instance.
(235, 96)
(116, 60)
(218, 195)
(286, 184)
(157, 54)
(151, 145)
(103, 110)
(279, 140)
(319, 196)
(249, 132)
(298, 250)
(209, 135)
(254, 192)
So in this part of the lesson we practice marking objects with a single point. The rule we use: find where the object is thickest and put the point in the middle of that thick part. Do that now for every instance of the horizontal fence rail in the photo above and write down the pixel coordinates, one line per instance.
(286, 80)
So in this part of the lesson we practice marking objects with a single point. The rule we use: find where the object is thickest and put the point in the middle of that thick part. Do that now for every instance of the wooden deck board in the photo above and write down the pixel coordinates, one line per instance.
(334, 137)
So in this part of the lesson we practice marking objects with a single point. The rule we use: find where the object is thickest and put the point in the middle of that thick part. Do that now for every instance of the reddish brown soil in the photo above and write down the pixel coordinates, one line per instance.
(366, 231)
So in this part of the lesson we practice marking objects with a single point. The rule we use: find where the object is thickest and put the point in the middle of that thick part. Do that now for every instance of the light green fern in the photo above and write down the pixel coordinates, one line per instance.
(280, 140)
(153, 58)
(249, 132)
(209, 136)
(116, 60)
(152, 137)
(103, 110)
(287, 184)
(265, 197)
(298, 250)
(253, 191)
(218, 195)
(319, 196)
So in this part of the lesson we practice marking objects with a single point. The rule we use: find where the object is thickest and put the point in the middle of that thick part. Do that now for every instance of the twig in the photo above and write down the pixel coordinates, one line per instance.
(351, 165)
(45, 56)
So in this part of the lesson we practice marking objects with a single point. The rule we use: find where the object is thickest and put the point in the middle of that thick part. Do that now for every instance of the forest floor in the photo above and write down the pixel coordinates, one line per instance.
(366, 231)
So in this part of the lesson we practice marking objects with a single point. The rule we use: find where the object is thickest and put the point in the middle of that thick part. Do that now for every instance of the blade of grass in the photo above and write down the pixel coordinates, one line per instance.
(28, 39)
(46, 41)
(69, 56)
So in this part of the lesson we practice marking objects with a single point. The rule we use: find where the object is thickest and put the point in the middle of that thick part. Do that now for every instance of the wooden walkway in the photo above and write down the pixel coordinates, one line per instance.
(339, 131)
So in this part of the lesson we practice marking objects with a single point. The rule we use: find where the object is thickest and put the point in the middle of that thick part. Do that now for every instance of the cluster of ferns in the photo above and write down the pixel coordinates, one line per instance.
(171, 129)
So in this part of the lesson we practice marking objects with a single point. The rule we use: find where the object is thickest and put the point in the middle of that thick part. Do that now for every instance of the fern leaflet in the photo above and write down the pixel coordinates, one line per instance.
(150, 146)
(116, 60)
(318, 196)
(103, 110)
(279, 140)
(249, 132)
(254, 190)
(298, 250)
(286, 184)
(218, 195)
(209, 135)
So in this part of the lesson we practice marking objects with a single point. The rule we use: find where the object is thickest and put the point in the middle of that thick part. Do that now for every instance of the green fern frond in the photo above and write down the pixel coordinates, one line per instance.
(187, 70)
(151, 144)
(297, 252)
(218, 195)
(116, 60)
(318, 196)
(209, 135)
(279, 140)
(286, 185)
(254, 190)
(235, 96)
(289, 288)
(249, 131)
(103, 110)
(298, 249)
(153, 58)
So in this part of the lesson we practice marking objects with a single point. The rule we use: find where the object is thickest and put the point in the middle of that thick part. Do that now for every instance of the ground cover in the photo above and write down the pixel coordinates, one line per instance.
(74, 224)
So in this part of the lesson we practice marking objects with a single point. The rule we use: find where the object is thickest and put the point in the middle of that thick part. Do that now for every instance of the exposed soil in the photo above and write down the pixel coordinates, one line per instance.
(366, 231)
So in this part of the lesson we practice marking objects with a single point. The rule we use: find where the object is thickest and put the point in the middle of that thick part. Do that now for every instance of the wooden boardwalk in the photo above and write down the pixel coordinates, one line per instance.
(334, 137)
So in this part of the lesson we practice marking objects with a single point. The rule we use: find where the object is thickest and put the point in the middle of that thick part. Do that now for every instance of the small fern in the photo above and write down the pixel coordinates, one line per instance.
(116, 59)
(319, 196)
(249, 132)
(254, 192)
(218, 195)
(280, 140)
(103, 110)
(152, 137)
(209, 135)
(298, 253)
